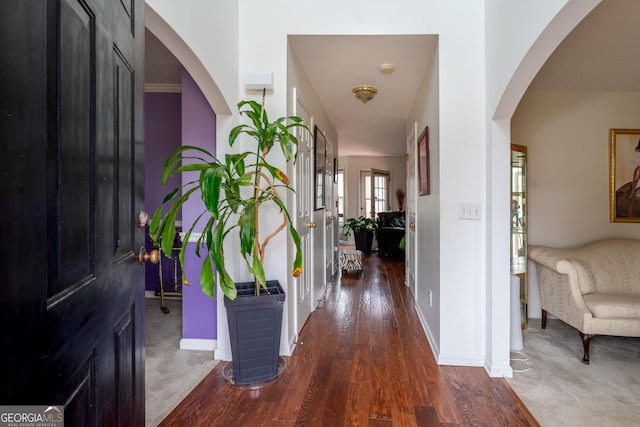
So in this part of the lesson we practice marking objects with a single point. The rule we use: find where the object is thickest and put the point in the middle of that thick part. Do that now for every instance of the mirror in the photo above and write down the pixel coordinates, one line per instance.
(519, 224)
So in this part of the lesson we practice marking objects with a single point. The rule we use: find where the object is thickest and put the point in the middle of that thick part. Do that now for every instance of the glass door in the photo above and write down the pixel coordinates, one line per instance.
(374, 186)
(519, 224)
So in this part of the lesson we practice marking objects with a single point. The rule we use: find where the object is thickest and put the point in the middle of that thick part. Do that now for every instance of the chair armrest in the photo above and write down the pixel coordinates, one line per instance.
(560, 292)
(549, 257)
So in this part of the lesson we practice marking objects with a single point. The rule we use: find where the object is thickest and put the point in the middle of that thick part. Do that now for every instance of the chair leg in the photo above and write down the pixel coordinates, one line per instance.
(544, 319)
(586, 340)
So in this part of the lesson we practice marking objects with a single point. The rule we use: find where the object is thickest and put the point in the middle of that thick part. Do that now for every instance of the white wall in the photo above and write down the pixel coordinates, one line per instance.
(425, 112)
(204, 38)
(473, 305)
(520, 36)
(353, 165)
(567, 139)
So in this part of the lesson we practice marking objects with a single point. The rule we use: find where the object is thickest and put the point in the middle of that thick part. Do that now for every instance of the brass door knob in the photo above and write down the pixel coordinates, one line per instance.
(312, 225)
(143, 256)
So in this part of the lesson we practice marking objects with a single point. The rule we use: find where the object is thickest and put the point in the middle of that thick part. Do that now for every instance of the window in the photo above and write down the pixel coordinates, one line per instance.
(374, 187)
(381, 193)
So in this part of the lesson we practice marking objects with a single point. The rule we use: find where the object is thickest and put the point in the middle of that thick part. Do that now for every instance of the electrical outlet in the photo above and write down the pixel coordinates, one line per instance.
(430, 298)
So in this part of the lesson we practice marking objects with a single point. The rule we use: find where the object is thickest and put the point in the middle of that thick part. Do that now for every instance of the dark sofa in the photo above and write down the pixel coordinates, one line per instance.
(391, 229)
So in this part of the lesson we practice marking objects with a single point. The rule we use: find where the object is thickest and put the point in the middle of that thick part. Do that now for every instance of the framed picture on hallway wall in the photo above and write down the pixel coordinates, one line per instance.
(319, 150)
(424, 177)
(624, 175)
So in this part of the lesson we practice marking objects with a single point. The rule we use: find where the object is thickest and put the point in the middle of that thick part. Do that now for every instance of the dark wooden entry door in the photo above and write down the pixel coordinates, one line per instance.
(71, 182)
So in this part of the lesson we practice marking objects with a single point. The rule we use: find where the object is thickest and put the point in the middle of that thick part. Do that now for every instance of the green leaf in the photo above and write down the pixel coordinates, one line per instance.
(297, 261)
(247, 224)
(210, 181)
(185, 244)
(226, 283)
(169, 232)
(207, 278)
(258, 271)
(176, 158)
(235, 132)
(154, 226)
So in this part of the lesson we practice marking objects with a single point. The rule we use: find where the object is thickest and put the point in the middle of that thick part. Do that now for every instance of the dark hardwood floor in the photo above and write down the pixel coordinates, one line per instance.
(362, 360)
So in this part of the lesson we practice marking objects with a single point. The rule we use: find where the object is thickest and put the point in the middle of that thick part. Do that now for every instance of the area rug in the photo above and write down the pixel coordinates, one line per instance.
(559, 390)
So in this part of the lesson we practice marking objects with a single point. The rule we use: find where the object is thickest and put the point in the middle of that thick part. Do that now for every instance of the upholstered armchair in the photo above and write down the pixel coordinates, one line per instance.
(391, 229)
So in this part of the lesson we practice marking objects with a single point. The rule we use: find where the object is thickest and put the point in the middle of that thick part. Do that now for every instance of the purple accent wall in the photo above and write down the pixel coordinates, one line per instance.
(198, 129)
(163, 135)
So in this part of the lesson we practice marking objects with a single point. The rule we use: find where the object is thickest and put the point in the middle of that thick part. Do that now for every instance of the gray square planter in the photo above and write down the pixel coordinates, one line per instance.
(254, 331)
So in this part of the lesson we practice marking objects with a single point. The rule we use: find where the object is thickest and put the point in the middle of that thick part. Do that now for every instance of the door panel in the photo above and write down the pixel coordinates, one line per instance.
(73, 147)
(410, 244)
(304, 211)
(70, 192)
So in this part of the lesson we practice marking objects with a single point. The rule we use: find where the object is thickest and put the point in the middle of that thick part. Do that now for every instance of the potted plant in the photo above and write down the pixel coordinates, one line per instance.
(363, 229)
(233, 190)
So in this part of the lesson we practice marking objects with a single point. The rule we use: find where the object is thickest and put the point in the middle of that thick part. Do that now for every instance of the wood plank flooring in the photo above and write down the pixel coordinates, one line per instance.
(362, 360)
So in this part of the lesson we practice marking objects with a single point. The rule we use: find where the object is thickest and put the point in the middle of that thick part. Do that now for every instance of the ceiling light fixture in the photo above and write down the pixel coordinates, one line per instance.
(364, 93)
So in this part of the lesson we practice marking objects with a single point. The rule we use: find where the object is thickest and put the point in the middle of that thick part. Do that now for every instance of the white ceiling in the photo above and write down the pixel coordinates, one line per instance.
(335, 64)
(161, 67)
(600, 54)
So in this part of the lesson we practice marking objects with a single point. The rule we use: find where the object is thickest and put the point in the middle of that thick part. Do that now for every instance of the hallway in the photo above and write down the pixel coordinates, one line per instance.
(362, 360)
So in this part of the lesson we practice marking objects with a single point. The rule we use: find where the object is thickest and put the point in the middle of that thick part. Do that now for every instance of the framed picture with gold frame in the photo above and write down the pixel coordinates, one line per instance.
(624, 175)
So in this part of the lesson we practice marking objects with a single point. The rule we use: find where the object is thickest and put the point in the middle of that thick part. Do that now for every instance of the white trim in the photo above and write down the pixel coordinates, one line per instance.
(498, 371)
(435, 349)
(460, 360)
(193, 238)
(293, 341)
(198, 344)
(152, 295)
(162, 88)
(222, 354)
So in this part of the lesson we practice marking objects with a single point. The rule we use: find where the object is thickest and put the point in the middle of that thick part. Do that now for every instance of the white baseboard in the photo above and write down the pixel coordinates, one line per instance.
(152, 295)
(198, 344)
(222, 354)
(460, 360)
(425, 327)
(498, 371)
(293, 340)
(447, 359)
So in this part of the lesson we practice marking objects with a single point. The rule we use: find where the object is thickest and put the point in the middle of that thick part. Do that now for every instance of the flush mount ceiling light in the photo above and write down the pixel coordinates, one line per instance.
(364, 93)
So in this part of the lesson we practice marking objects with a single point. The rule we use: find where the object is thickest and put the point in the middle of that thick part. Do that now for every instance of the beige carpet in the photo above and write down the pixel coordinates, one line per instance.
(170, 373)
(561, 391)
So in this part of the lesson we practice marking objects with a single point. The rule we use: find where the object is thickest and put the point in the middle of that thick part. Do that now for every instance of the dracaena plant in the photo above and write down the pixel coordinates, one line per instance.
(233, 190)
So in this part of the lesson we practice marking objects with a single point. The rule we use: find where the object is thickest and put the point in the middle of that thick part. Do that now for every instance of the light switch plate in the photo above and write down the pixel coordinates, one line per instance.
(468, 210)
